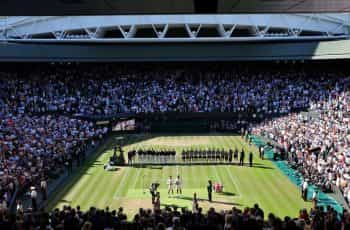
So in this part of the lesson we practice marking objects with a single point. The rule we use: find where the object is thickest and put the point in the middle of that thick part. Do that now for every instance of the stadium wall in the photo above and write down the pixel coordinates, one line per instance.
(204, 51)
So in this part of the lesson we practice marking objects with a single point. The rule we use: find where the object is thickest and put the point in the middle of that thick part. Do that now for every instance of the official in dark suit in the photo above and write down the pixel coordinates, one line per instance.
(210, 190)
(250, 159)
(241, 158)
(115, 150)
(235, 155)
(260, 151)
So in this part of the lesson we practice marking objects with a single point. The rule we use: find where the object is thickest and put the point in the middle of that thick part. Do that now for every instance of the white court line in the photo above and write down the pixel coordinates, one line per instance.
(234, 182)
(155, 177)
(137, 178)
(193, 176)
(217, 175)
(121, 182)
(227, 141)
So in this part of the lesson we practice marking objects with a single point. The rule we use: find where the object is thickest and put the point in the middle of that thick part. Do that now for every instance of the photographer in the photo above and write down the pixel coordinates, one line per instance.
(153, 191)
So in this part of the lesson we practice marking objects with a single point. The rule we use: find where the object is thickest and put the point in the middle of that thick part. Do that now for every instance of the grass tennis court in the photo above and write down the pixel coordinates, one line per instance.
(128, 186)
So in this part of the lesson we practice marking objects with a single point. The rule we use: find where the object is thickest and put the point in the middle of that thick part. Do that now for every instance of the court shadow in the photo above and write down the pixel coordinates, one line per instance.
(85, 173)
(156, 167)
(128, 139)
(255, 165)
(66, 201)
(261, 166)
(172, 206)
(223, 202)
(113, 169)
(228, 193)
(148, 166)
(160, 166)
(213, 201)
(184, 198)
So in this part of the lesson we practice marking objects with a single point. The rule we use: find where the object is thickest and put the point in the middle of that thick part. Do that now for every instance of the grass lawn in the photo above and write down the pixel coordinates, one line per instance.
(128, 186)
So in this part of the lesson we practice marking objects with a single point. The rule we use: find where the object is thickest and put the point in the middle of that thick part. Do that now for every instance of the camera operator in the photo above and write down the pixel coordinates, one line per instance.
(153, 190)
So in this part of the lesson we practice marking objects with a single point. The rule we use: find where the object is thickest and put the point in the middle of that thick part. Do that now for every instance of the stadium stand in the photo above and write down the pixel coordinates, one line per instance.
(40, 133)
(173, 218)
(318, 146)
(101, 90)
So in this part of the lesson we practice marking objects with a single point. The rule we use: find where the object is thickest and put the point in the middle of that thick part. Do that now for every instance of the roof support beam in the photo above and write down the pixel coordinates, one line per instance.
(160, 30)
(193, 30)
(128, 31)
(224, 32)
(94, 33)
(59, 34)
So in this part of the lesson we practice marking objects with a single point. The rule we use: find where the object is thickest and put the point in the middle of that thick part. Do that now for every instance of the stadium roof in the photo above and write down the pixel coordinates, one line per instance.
(175, 37)
(176, 28)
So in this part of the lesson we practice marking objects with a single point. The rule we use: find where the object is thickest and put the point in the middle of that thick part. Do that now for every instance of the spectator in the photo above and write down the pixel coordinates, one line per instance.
(33, 196)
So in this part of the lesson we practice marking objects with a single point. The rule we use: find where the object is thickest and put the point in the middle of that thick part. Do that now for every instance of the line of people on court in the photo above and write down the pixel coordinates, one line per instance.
(207, 155)
(151, 156)
(217, 155)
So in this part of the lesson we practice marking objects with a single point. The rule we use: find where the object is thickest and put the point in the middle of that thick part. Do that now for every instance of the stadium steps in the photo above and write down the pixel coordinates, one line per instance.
(294, 176)
(338, 196)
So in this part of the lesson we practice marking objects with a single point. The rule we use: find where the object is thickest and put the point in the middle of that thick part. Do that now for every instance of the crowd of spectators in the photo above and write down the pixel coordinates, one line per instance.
(317, 142)
(36, 147)
(229, 125)
(172, 218)
(105, 91)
